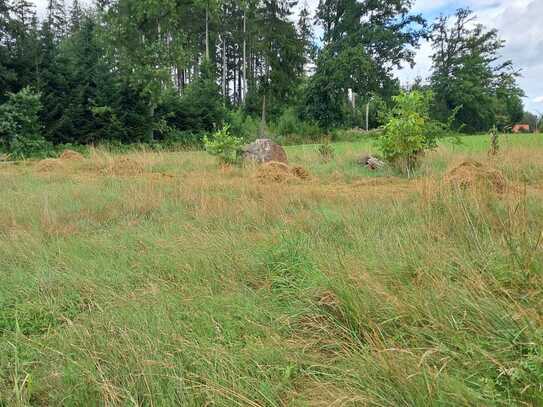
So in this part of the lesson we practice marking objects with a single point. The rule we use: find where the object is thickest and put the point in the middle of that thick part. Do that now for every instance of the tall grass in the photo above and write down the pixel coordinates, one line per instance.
(158, 279)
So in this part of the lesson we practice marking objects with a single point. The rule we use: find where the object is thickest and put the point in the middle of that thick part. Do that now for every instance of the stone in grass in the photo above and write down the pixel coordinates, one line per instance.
(264, 151)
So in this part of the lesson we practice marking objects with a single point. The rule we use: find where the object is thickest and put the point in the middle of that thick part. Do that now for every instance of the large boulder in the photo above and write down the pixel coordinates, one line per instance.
(265, 150)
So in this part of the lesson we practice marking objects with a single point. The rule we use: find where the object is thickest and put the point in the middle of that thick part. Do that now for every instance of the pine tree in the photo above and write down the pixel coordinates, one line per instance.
(6, 70)
(25, 47)
(306, 34)
(201, 106)
(76, 14)
(54, 85)
(280, 54)
(57, 19)
(23, 11)
(84, 56)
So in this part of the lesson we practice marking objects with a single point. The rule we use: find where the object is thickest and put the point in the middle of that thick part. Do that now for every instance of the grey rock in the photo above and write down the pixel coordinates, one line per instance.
(265, 150)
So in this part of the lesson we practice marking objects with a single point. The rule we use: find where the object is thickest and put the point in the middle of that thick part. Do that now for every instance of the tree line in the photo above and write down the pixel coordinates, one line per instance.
(158, 71)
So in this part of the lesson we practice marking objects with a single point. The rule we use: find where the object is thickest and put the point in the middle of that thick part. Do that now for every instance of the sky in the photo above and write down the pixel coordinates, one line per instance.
(519, 23)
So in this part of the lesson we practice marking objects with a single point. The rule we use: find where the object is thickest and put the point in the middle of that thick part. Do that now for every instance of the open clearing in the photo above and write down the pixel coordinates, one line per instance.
(157, 279)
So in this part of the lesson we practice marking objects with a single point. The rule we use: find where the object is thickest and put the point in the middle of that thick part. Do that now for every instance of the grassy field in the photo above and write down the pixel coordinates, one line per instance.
(160, 279)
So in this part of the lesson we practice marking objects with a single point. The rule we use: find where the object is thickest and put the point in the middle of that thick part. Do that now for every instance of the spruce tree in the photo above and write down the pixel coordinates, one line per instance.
(281, 52)
(84, 56)
(25, 43)
(57, 20)
(306, 35)
(6, 70)
(76, 14)
(54, 85)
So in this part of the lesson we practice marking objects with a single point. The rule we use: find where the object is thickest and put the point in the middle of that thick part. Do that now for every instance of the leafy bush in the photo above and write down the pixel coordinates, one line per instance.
(291, 130)
(225, 146)
(410, 131)
(19, 125)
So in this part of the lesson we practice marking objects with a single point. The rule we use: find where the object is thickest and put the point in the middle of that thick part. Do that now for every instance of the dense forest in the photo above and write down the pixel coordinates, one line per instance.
(170, 71)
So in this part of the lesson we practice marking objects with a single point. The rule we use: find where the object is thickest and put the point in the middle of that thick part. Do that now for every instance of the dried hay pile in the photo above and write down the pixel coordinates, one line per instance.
(300, 172)
(59, 164)
(473, 174)
(70, 155)
(50, 165)
(275, 171)
(124, 166)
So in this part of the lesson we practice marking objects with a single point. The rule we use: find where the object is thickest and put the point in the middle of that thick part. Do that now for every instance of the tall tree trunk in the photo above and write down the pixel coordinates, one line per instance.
(151, 112)
(240, 81)
(244, 65)
(263, 121)
(207, 31)
(224, 68)
(368, 116)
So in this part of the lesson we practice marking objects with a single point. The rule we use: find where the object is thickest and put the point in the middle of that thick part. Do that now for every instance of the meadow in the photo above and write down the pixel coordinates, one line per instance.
(162, 279)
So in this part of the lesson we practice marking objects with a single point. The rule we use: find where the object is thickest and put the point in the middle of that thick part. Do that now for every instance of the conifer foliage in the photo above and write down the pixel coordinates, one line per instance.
(142, 71)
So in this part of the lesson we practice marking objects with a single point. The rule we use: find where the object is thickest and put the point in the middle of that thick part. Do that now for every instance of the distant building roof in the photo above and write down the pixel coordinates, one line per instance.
(517, 128)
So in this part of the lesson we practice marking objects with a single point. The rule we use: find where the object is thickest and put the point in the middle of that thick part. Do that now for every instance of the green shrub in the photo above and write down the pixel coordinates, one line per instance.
(288, 123)
(409, 131)
(223, 145)
(289, 129)
(19, 125)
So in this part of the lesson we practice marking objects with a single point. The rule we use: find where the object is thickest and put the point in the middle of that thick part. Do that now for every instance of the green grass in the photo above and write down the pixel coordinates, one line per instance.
(193, 285)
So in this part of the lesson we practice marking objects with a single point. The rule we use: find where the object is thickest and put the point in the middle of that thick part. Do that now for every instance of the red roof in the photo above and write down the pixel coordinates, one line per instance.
(517, 128)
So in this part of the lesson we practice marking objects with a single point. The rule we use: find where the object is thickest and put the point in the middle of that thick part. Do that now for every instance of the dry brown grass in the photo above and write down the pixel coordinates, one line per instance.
(213, 194)
(50, 165)
(70, 155)
(324, 394)
(280, 172)
(232, 192)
